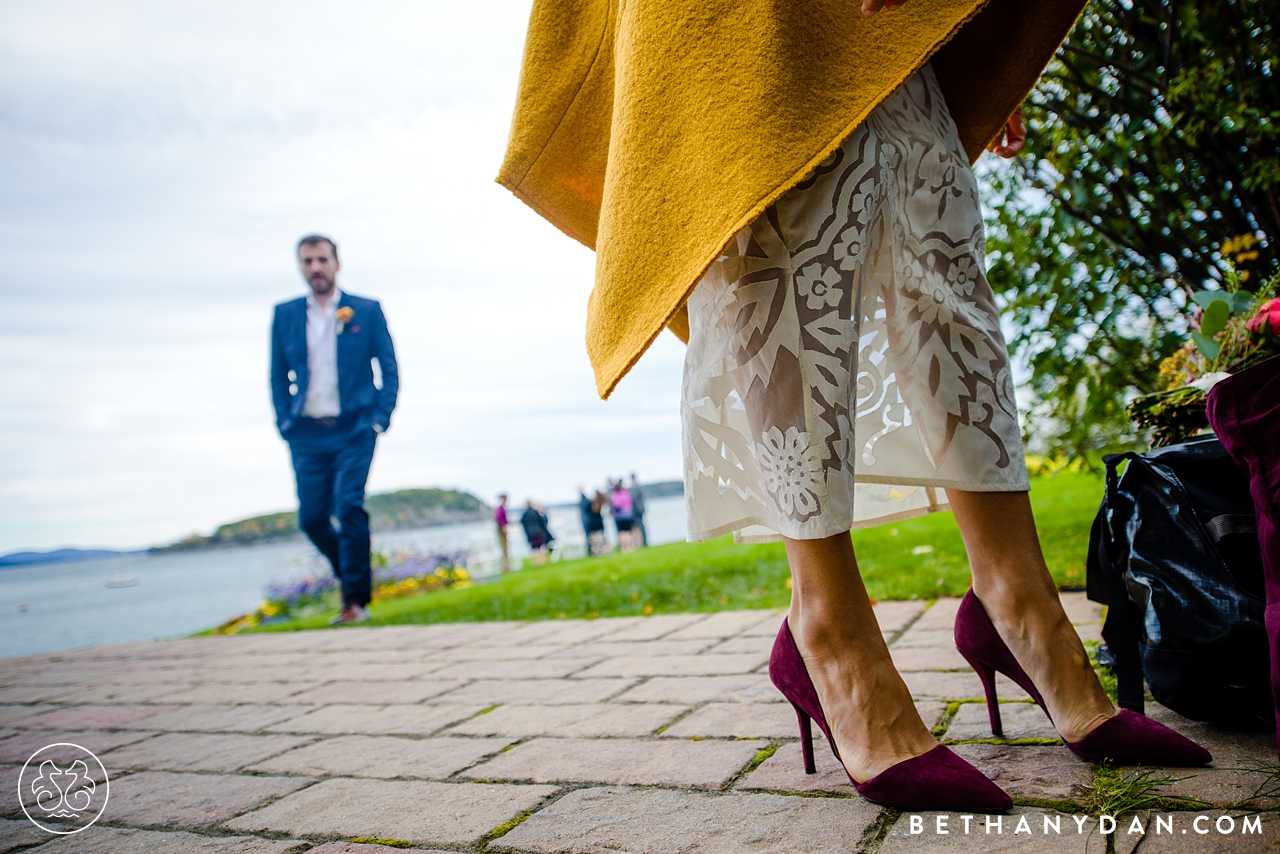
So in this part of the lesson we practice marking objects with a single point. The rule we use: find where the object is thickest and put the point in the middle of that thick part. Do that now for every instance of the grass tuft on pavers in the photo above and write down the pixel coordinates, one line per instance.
(719, 575)
(1266, 796)
(1116, 792)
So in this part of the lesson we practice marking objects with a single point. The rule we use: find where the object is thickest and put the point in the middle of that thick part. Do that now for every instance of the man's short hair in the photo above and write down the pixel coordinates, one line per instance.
(312, 240)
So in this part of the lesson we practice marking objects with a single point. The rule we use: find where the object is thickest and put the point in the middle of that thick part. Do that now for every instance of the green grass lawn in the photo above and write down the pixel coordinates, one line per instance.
(719, 575)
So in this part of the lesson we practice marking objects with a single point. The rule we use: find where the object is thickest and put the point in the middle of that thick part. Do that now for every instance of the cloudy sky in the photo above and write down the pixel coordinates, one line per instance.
(157, 163)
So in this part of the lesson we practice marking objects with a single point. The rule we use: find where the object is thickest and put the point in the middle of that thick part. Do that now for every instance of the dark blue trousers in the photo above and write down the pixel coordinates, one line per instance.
(331, 459)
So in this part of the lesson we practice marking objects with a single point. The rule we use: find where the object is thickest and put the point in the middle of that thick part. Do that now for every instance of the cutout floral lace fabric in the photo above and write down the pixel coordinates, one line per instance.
(845, 361)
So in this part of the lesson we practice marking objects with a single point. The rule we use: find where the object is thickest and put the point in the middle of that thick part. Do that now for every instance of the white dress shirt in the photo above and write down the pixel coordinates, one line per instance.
(322, 358)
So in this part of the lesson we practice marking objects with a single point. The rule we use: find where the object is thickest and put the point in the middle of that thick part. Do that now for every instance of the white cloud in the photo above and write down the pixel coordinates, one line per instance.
(158, 162)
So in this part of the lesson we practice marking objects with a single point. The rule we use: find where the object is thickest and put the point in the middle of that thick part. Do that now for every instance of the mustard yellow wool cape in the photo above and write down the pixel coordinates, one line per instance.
(654, 130)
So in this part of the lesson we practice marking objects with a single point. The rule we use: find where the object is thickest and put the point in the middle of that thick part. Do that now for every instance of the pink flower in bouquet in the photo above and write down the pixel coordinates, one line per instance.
(1267, 319)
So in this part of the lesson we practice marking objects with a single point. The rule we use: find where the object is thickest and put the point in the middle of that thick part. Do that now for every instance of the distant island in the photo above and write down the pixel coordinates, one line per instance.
(662, 489)
(388, 511)
(56, 556)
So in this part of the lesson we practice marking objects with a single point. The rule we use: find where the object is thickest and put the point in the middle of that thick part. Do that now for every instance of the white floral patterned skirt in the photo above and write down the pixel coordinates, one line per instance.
(845, 361)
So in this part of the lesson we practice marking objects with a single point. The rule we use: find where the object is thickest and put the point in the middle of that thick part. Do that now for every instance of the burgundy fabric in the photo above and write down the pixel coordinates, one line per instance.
(932, 781)
(1133, 739)
(981, 646)
(788, 674)
(937, 780)
(1126, 739)
(1244, 410)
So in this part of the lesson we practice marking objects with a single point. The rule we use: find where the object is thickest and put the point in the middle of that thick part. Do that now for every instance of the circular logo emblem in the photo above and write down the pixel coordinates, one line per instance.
(63, 788)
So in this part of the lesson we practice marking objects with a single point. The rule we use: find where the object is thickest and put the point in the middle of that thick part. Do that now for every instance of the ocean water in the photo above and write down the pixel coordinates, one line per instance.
(57, 607)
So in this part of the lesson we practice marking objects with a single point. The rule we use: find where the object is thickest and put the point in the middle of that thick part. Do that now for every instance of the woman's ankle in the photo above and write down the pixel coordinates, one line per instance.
(1015, 588)
(815, 630)
(1041, 637)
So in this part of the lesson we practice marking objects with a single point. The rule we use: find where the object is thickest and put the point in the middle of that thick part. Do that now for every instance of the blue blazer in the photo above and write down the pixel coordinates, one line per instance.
(362, 340)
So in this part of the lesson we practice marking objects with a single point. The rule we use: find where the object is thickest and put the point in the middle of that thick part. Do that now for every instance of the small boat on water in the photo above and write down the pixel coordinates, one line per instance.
(121, 581)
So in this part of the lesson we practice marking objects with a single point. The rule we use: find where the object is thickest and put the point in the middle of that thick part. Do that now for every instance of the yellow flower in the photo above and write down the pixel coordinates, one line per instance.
(345, 314)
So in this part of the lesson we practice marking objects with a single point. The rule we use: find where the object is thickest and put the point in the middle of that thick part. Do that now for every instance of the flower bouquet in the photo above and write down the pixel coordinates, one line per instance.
(1231, 329)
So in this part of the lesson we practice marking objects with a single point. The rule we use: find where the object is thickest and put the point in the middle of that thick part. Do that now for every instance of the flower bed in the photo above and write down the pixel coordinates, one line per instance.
(394, 575)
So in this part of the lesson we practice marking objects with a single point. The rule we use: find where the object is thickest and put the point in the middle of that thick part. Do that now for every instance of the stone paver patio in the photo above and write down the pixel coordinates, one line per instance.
(648, 734)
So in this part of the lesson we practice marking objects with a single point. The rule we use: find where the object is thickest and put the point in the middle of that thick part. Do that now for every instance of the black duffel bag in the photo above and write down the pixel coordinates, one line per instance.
(1174, 555)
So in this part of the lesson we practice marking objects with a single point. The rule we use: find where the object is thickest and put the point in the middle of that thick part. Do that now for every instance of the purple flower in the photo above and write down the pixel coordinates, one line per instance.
(399, 566)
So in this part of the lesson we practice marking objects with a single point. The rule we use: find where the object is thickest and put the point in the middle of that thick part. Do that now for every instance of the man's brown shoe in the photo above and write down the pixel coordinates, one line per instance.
(351, 615)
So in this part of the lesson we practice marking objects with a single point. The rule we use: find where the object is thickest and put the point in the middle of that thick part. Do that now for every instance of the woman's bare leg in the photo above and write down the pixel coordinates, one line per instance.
(868, 707)
(1013, 584)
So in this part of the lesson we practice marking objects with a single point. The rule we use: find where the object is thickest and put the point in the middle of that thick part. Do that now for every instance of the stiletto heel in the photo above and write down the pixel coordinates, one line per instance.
(806, 740)
(988, 676)
(937, 780)
(1126, 739)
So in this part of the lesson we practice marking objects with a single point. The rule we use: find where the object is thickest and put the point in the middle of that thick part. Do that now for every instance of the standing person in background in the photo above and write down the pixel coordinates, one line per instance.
(534, 521)
(596, 536)
(623, 512)
(500, 521)
(637, 507)
(331, 412)
(592, 523)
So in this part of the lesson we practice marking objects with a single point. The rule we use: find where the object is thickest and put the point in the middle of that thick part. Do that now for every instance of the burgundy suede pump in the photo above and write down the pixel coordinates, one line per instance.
(1127, 739)
(937, 780)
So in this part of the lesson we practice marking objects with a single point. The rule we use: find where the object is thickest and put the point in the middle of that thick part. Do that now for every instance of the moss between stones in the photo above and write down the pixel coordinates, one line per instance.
(764, 754)
(790, 794)
(390, 843)
(947, 717)
(503, 829)
(1048, 804)
(873, 837)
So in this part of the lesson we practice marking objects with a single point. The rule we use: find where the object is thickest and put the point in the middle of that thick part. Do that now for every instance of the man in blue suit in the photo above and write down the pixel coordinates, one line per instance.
(330, 411)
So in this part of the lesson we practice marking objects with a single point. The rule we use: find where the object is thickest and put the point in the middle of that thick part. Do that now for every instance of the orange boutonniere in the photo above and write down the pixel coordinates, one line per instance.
(344, 316)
